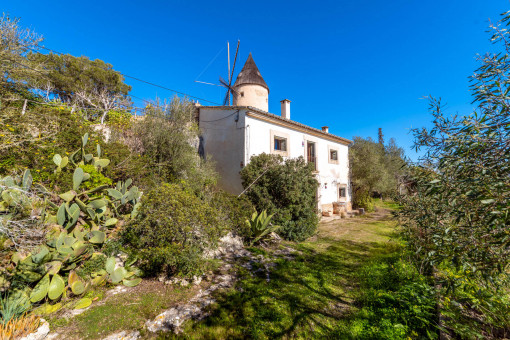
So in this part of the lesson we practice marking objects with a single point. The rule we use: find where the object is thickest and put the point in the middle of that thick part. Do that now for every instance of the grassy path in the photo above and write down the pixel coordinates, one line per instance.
(311, 296)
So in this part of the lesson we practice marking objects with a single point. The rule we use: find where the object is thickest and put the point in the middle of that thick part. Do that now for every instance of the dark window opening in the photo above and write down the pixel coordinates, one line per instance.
(333, 155)
(280, 144)
(342, 192)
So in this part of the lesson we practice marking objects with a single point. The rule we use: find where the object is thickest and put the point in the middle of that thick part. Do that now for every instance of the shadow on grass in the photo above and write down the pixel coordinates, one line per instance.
(307, 297)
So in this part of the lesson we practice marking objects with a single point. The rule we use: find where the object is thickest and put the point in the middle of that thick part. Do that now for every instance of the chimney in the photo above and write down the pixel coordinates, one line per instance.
(285, 108)
(325, 129)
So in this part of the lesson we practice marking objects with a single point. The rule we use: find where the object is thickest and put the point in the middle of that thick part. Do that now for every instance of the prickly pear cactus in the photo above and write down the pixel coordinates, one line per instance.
(78, 223)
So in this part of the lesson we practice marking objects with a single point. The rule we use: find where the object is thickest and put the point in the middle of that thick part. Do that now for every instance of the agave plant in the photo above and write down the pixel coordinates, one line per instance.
(260, 226)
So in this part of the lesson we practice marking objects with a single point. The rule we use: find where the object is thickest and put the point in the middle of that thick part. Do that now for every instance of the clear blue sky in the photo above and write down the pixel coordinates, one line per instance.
(353, 65)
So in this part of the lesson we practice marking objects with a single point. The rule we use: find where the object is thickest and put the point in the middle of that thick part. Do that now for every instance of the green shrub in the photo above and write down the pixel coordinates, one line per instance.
(362, 199)
(172, 230)
(285, 188)
(300, 228)
(235, 210)
(395, 302)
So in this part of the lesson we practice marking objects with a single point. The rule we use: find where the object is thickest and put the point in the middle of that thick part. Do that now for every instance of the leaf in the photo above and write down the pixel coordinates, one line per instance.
(488, 201)
(27, 180)
(53, 267)
(114, 194)
(98, 147)
(57, 159)
(97, 204)
(97, 237)
(110, 265)
(118, 275)
(64, 162)
(37, 258)
(98, 280)
(132, 283)
(61, 214)
(41, 289)
(47, 309)
(111, 221)
(68, 196)
(56, 288)
(84, 139)
(73, 277)
(83, 303)
(78, 288)
(103, 163)
(77, 178)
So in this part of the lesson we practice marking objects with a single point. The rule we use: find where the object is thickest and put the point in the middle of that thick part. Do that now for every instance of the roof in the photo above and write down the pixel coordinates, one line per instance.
(257, 113)
(250, 74)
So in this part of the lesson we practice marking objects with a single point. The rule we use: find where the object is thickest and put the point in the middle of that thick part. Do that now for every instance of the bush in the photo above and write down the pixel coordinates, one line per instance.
(287, 189)
(235, 211)
(395, 302)
(172, 230)
(363, 200)
(169, 139)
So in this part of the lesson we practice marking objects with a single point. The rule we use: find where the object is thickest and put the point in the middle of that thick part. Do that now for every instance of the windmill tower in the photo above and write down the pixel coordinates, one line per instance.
(250, 89)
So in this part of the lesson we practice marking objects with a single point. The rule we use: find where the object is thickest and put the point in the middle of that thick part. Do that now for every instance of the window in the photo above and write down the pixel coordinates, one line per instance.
(342, 192)
(280, 144)
(333, 155)
(242, 94)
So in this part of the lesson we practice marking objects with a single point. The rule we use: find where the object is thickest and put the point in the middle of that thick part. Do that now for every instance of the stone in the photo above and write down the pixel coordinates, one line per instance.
(123, 335)
(197, 280)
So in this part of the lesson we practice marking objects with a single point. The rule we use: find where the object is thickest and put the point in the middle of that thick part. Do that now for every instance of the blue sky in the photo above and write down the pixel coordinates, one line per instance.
(352, 65)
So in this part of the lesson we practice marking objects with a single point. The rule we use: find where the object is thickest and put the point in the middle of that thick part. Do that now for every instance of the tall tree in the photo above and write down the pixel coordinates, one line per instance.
(80, 81)
(15, 43)
(380, 136)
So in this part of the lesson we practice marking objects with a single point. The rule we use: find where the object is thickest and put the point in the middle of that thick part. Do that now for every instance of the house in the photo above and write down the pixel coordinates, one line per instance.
(231, 135)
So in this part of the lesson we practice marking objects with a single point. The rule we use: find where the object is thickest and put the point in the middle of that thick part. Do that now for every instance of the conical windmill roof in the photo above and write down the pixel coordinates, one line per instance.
(250, 74)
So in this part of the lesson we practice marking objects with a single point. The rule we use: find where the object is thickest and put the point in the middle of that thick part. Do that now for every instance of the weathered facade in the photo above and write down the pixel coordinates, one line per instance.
(231, 135)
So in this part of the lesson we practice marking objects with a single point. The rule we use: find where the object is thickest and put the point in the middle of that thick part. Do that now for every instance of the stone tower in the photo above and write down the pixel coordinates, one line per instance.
(251, 88)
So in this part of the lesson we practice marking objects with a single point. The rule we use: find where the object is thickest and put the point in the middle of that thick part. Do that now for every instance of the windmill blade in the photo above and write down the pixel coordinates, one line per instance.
(234, 66)
(224, 82)
(226, 100)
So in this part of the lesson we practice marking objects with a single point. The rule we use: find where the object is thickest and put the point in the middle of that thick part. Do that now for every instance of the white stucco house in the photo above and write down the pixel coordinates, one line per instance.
(231, 135)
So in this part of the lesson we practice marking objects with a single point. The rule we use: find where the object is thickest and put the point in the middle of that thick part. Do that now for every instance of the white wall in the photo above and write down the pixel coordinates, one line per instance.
(330, 176)
(229, 143)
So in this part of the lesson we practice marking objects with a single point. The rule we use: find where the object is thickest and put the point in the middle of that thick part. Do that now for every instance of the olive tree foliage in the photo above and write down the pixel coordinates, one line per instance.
(81, 82)
(457, 222)
(168, 135)
(15, 43)
(375, 168)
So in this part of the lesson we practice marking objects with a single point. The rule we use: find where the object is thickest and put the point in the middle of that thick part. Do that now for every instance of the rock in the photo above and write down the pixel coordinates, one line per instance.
(40, 333)
(123, 335)
(197, 280)
(227, 244)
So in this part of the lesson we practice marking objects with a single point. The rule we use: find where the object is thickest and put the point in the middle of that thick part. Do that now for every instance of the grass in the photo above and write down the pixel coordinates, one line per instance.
(344, 284)
(312, 296)
(123, 311)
